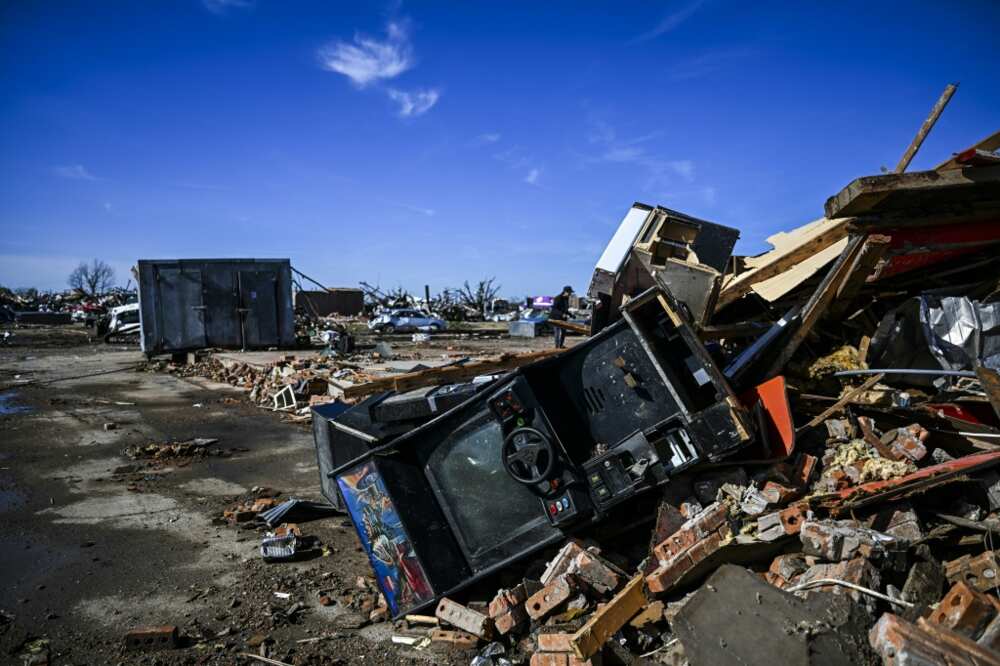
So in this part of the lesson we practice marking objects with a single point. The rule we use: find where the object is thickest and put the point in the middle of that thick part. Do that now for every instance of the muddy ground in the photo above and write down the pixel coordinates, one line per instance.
(95, 543)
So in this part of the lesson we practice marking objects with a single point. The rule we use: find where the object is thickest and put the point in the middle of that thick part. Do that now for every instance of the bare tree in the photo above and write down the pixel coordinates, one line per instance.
(478, 298)
(92, 279)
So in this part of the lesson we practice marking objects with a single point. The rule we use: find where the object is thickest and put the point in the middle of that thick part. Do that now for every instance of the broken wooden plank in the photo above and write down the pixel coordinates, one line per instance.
(863, 195)
(605, 622)
(989, 144)
(926, 127)
(830, 232)
(570, 326)
(990, 380)
(447, 375)
(864, 266)
(842, 402)
(818, 303)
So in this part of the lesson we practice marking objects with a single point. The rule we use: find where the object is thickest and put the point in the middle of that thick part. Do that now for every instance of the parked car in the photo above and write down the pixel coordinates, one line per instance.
(406, 320)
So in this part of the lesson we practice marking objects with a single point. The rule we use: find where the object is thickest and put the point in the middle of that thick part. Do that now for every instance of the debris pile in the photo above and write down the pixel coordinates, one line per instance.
(289, 385)
(802, 445)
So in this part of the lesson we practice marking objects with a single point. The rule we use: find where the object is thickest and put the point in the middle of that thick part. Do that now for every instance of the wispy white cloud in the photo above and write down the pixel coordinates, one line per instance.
(486, 139)
(367, 60)
(669, 22)
(427, 212)
(223, 6)
(660, 171)
(517, 159)
(74, 172)
(414, 103)
(683, 168)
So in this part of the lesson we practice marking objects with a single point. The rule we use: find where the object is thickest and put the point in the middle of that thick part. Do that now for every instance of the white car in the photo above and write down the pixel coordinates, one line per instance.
(404, 320)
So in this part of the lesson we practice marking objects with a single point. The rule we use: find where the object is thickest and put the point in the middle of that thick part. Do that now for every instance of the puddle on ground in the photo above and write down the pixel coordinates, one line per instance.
(10, 500)
(8, 406)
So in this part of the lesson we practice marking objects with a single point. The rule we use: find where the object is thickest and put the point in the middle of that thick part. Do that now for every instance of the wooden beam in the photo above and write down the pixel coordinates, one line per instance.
(863, 194)
(818, 303)
(990, 143)
(842, 402)
(990, 380)
(872, 252)
(570, 326)
(925, 129)
(742, 284)
(605, 622)
(447, 375)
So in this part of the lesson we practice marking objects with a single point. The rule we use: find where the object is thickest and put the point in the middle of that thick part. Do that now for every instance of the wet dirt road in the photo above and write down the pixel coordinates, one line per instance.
(94, 545)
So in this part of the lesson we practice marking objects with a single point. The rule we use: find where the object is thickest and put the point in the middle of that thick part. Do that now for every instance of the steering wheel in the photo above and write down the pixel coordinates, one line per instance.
(528, 455)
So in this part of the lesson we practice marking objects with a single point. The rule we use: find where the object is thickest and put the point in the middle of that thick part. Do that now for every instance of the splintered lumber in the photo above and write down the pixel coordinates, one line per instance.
(863, 196)
(989, 144)
(846, 398)
(872, 252)
(605, 622)
(926, 128)
(819, 302)
(447, 375)
(824, 234)
(570, 326)
(990, 379)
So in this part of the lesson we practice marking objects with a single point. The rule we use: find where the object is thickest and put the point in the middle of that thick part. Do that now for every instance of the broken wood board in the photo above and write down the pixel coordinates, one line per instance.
(605, 622)
(865, 267)
(990, 143)
(842, 402)
(818, 303)
(570, 326)
(447, 375)
(796, 257)
(990, 381)
(916, 193)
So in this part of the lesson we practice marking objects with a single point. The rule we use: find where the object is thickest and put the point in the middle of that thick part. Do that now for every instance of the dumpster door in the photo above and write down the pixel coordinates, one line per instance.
(259, 308)
(181, 309)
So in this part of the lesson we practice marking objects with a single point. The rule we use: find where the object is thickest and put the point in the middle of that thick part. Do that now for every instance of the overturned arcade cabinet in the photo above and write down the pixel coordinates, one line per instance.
(548, 449)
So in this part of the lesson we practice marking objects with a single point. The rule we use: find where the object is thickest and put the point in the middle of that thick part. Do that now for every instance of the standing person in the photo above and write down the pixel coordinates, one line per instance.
(560, 308)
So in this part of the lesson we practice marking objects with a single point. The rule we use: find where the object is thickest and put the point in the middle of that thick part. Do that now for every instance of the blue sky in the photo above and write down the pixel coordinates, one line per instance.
(414, 143)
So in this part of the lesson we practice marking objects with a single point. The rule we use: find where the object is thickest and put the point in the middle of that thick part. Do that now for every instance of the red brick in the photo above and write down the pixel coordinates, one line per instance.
(459, 639)
(551, 597)
(507, 600)
(667, 574)
(152, 638)
(554, 643)
(805, 466)
(593, 571)
(464, 618)
(964, 610)
(980, 572)
(706, 522)
(550, 659)
(777, 494)
(792, 519)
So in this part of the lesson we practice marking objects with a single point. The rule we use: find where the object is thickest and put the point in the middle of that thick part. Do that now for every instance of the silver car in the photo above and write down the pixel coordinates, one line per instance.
(406, 320)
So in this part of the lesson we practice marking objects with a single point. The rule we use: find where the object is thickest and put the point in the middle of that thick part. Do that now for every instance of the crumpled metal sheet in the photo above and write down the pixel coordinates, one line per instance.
(950, 332)
(961, 331)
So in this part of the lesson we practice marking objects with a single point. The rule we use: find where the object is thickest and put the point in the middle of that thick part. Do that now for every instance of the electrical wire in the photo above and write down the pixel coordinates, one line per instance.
(844, 583)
